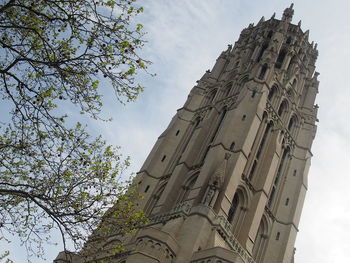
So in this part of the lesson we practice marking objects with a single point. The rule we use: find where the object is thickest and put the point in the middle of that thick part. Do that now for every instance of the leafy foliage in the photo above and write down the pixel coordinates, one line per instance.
(53, 175)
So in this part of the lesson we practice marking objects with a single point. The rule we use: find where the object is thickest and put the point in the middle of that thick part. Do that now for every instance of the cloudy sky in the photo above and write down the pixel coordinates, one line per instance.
(185, 37)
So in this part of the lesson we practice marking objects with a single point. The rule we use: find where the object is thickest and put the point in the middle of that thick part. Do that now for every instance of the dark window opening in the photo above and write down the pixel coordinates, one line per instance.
(243, 117)
(269, 35)
(262, 50)
(280, 59)
(233, 208)
(282, 108)
(291, 123)
(164, 156)
(272, 195)
(232, 146)
(287, 202)
(212, 96)
(278, 235)
(177, 132)
(289, 40)
(227, 90)
(252, 171)
(291, 62)
(294, 172)
(262, 143)
(206, 152)
(271, 93)
(223, 114)
(147, 187)
(281, 166)
(263, 71)
(253, 93)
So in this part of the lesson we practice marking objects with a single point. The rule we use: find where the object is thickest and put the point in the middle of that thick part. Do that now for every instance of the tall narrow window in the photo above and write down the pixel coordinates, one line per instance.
(281, 166)
(153, 202)
(269, 35)
(287, 202)
(263, 140)
(213, 135)
(222, 116)
(278, 236)
(280, 59)
(212, 96)
(260, 240)
(291, 62)
(291, 123)
(263, 71)
(233, 208)
(227, 90)
(252, 171)
(187, 189)
(272, 93)
(282, 108)
(272, 195)
(262, 50)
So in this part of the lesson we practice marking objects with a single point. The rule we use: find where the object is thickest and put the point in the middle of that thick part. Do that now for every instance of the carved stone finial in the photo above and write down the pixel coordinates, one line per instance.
(262, 19)
(299, 23)
(273, 15)
(288, 14)
(316, 74)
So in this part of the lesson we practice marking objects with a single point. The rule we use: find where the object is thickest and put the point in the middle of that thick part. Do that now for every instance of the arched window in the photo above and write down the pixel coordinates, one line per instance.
(280, 59)
(211, 96)
(218, 125)
(291, 123)
(291, 62)
(213, 135)
(260, 240)
(271, 197)
(289, 40)
(281, 166)
(269, 35)
(272, 93)
(282, 108)
(227, 90)
(263, 140)
(263, 71)
(233, 208)
(187, 188)
(154, 199)
(262, 50)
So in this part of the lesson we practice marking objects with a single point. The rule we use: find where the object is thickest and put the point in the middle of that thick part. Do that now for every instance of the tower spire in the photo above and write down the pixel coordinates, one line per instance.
(288, 14)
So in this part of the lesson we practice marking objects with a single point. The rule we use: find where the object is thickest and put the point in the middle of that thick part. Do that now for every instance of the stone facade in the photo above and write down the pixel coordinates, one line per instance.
(226, 181)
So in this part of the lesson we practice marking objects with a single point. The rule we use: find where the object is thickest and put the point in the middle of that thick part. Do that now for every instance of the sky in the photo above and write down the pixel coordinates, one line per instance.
(184, 39)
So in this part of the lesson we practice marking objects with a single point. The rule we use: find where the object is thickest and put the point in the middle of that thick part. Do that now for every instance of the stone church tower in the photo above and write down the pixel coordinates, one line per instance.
(226, 181)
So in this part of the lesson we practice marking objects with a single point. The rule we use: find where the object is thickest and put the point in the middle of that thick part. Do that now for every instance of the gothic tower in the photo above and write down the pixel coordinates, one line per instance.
(226, 180)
